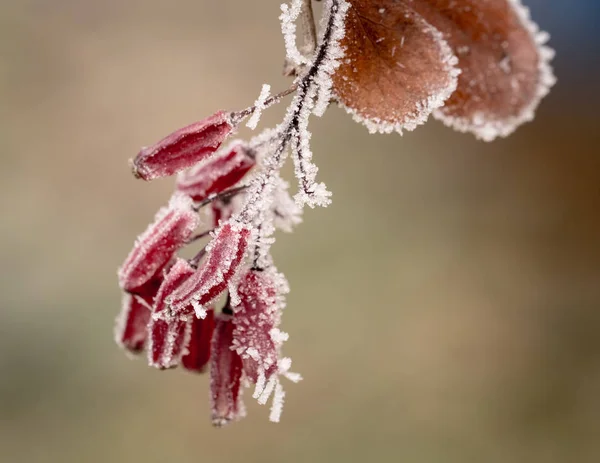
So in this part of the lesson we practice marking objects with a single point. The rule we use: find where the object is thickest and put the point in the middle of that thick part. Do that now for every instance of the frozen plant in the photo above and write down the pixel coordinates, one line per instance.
(480, 66)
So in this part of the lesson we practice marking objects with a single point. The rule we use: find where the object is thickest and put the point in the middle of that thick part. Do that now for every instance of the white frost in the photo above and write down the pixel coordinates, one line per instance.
(288, 17)
(260, 106)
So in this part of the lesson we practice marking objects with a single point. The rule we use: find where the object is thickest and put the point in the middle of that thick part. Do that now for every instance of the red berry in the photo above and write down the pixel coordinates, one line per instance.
(183, 148)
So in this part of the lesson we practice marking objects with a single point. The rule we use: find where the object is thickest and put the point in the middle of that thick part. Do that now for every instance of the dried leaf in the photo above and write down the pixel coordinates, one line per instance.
(396, 69)
(504, 66)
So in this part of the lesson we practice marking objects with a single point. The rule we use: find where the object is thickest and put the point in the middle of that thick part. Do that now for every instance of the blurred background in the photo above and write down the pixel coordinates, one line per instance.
(445, 308)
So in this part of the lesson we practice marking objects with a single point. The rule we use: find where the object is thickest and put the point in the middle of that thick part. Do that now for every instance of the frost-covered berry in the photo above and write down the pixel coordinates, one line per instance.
(223, 258)
(183, 148)
(225, 375)
(167, 341)
(256, 336)
(199, 345)
(131, 324)
(169, 334)
(217, 173)
(153, 249)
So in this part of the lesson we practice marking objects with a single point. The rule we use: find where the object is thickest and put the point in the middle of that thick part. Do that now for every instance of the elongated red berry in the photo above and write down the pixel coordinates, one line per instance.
(153, 249)
(225, 375)
(131, 324)
(217, 173)
(183, 148)
(256, 336)
(167, 342)
(224, 255)
(169, 334)
(199, 345)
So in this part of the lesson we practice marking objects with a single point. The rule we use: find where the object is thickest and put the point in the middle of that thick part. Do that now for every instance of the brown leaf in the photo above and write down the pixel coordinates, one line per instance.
(398, 68)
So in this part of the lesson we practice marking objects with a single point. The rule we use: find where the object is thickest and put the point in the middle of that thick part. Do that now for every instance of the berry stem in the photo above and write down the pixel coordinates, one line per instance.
(274, 99)
(224, 195)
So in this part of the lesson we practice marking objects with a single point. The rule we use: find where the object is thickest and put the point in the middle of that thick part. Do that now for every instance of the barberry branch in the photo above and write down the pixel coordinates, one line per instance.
(410, 58)
(290, 129)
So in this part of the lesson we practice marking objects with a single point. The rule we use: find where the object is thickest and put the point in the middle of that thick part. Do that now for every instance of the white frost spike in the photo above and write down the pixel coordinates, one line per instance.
(259, 104)
(333, 54)
(268, 390)
(284, 370)
(286, 212)
(278, 336)
(288, 17)
(232, 287)
(277, 407)
(199, 309)
(279, 394)
(260, 384)
(293, 377)
(310, 193)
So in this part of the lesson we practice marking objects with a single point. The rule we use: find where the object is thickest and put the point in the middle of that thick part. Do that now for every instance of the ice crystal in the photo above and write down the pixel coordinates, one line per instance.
(391, 65)
(260, 106)
(288, 17)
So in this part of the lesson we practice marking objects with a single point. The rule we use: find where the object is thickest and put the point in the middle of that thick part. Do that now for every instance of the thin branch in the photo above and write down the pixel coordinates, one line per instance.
(224, 195)
(268, 103)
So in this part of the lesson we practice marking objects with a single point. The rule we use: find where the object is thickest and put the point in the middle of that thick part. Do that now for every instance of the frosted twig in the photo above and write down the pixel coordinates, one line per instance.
(224, 195)
(288, 17)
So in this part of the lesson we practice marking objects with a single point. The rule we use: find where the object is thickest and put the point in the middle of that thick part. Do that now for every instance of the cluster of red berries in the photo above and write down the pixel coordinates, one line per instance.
(168, 301)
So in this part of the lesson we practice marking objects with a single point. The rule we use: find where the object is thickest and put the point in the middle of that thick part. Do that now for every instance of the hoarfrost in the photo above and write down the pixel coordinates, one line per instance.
(260, 106)
(288, 17)
(287, 213)
(310, 193)
(277, 407)
(334, 52)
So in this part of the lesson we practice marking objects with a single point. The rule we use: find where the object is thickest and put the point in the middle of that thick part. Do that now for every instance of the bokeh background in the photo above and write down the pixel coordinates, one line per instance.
(445, 308)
